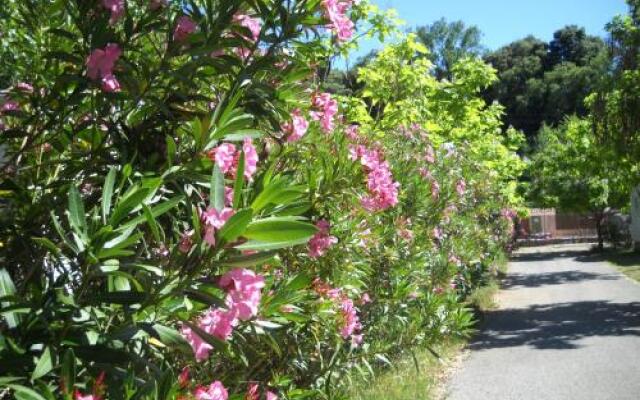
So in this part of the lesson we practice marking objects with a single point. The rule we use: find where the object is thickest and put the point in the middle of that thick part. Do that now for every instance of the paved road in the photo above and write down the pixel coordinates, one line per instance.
(568, 327)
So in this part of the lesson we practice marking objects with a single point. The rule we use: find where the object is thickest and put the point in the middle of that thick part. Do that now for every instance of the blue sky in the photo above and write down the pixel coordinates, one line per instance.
(503, 21)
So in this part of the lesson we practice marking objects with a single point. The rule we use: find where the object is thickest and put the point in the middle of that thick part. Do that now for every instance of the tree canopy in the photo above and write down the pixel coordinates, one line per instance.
(542, 82)
(448, 43)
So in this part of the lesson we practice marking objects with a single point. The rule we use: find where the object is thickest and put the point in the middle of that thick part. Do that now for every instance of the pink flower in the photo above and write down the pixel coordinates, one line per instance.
(213, 220)
(365, 298)
(224, 156)
(437, 233)
(184, 28)
(200, 348)
(325, 109)
(253, 24)
(110, 84)
(215, 391)
(244, 291)
(9, 106)
(24, 87)
(157, 4)
(321, 241)
(183, 378)
(435, 189)
(351, 132)
(185, 242)
(252, 392)
(228, 196)
(271, 396)
(216, 218)
(100, 64)
(297, 127)
(250, 158)
(356, 340)
(79, 396)
(430, 155)
(461, 186)
(349, 318)
(335, 12)
(218, 323)
(116, 7)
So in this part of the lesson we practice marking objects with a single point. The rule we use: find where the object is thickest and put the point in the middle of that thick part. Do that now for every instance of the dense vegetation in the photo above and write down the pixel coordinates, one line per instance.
(186, 213)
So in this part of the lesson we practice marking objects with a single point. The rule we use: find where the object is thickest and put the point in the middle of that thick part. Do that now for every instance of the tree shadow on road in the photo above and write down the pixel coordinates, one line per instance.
(557, 326)
(550, 255)
(514, 280)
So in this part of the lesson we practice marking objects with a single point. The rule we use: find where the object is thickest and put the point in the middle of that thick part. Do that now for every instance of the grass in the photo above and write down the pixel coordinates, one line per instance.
(404, 381)
(627, 262)
(484, 298)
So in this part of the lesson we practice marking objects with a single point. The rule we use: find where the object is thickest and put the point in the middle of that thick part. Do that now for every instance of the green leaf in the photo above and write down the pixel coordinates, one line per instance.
(107, 193)
(249, 260)
(43, 366)
(127, 297)
(172, 338)
(276, 230)
(68, 371)
(156, 211)
(7, 288)
(239, 182)
(25, 393)
(76, 211)
(131, 200)
(47, 244)
(236, 225)
(153, 224)
(216, 187)
(270, 245)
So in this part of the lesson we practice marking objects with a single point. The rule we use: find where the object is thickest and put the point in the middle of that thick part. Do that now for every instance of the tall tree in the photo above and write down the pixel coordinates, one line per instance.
(616, 106)
(448, 43)
(542, 82)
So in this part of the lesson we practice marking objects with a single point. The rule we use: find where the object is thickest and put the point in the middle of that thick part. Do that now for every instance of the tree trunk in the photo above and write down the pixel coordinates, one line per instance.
(599, 219)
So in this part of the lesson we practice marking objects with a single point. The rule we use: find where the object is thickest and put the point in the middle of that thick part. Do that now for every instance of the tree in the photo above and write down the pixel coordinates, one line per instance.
(615, 105)
(448, 43)
(572, 171)
(542, 82)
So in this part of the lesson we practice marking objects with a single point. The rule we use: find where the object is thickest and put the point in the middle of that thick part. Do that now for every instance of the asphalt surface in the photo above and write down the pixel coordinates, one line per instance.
(568, 327)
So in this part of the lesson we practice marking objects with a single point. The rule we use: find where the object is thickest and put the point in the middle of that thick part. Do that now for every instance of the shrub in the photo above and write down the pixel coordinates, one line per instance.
(187, 214)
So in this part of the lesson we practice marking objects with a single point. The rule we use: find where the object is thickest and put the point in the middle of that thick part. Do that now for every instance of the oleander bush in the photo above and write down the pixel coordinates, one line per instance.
(186, 213)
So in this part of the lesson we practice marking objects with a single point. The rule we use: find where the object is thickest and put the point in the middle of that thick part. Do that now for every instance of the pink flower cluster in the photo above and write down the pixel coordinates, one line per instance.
(244, 291)
(321, 241)
(215, 391)
(227, 157)
(350, 323)
(212, 220)
(324, 110)
(297, 128)
(336, 12)
(254, 25)
(9, 106)
(100, 64)
(253, 393)
(184, 28)
(116, 7)
(383, 191)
